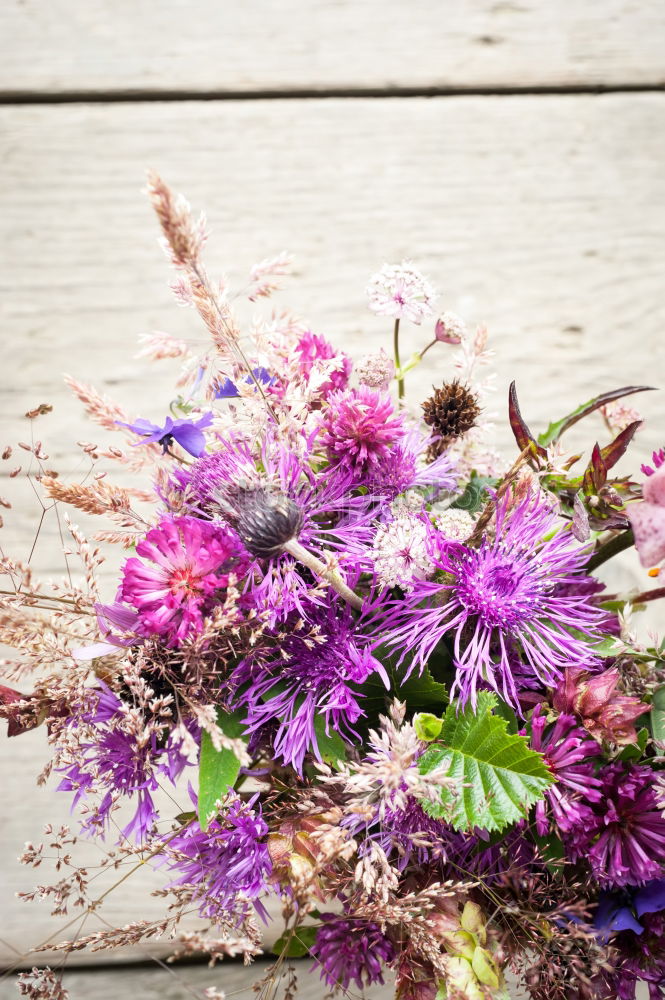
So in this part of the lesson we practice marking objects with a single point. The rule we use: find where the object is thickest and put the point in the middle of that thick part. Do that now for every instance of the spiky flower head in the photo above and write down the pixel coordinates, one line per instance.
(351, 951)
(568, 752)
(360, 428)
(401, 291)
(622, 836)
(450, 411)
(312, 349)
(264, 519)
(501, 605)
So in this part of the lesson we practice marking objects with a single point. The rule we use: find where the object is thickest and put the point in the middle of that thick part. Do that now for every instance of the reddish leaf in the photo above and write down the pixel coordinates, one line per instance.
(612, 452)
(522, 434)
(595, 474)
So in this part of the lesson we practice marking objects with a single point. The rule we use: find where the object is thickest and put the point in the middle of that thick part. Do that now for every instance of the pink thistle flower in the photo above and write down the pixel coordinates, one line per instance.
(187, 562)
(401, 291)
(602, 710)
(360, 428)
(312, 348)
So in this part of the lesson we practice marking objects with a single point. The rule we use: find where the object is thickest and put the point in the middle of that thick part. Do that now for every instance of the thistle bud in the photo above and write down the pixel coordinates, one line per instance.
(265, 520)
(450, 411)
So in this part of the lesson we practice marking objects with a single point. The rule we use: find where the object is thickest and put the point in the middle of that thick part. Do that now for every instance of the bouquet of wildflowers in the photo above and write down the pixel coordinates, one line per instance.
(366, 657)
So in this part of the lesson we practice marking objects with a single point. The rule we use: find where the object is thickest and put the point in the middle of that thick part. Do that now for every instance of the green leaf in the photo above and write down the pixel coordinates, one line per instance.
(658, 717)
(421, 692)
(555, 430)
(427, 726)
(296, 945)
(331, 745)
(475, 494)
(498, 777)
(636, 750)
(218, 769)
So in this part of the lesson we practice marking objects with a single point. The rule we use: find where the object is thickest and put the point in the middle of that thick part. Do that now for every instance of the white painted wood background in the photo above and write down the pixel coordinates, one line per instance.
(541, 213)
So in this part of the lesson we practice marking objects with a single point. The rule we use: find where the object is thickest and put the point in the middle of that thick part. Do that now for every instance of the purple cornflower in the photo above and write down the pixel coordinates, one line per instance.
(360, 428)
(402, 468)
(229, 390)
(312, 348)
(621, 910)
(228, 860)
(351, 951)
(187, 562)
(323, 512)
(496, 599)
(188, 433)
(566, 747)
(310, 675)
(622, 835)
(121, 759)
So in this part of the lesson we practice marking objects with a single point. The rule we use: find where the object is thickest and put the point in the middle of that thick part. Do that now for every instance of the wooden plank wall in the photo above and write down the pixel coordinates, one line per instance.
(469, 135)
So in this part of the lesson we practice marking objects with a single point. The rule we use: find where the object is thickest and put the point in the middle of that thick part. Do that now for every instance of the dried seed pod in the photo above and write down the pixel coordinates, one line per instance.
(450, 411)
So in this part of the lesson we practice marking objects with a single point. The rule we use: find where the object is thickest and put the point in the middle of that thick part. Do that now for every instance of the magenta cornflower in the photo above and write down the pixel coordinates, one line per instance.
(184, 564)
(228, 863)
(403, 468)
(351, 951)
(360, 429)
(567, 749)
(622, 835)
(498, 598)
(312, 348)
(313, 673)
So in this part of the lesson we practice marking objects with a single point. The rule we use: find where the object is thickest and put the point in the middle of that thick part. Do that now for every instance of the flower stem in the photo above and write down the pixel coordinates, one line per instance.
(611, 548)
(320, 569)
(649, 595)
(398, 366)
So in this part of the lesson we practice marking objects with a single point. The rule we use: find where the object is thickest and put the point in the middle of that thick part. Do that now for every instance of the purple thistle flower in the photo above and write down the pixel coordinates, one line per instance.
(496, 599)
(566, 747)
(119, 762)
(312, 348)
(228, 860)
(326, 514)
(360, 428)
(188, 562)
(188, 433)
(622, 835)
(310, 674)
(401, 469)
(351, 951)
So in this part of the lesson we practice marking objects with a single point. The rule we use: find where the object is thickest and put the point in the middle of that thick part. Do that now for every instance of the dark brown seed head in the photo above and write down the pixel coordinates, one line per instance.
(450, 411)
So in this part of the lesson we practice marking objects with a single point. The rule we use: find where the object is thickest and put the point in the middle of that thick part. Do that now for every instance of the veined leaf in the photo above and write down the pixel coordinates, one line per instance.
(296, 945)
(331, 745)
(218, 769)
(555, 430)
(497, 775)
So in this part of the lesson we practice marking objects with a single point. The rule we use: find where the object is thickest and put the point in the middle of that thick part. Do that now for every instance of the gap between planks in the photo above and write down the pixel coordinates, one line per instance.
(140, 95)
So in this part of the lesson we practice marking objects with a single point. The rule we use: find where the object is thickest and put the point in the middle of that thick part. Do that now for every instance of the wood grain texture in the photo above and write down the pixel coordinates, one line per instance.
(188, 982)
(543, 216)
(129, 46)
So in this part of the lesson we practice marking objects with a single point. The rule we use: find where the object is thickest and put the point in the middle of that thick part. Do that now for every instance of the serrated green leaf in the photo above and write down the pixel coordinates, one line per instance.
(498, 777)
(331, 745)
(218, 769)
(296, 945)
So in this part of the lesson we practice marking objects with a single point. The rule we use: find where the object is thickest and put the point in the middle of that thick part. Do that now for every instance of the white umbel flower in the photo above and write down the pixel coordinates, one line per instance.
(401, 291)
(401, 552)
(455, 525)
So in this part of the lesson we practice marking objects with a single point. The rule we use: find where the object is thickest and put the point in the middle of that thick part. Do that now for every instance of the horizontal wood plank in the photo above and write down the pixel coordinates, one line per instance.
(544, 217)
(125, 46)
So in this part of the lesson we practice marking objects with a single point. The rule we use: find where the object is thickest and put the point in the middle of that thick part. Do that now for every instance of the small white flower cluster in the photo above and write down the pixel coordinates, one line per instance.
(455, 525)
(401, 552)
(401, 291)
